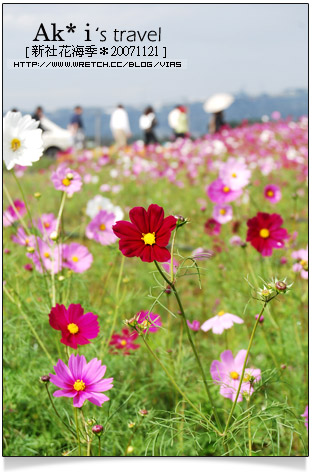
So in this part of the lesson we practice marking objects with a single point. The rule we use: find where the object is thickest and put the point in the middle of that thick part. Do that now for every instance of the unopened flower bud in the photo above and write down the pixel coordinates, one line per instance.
(61, 277)
(261, 319)
(143, 412)
(30, 249)
(45, 379)
(7, 251)
(168, 290)
(283, 366)
(70, 176)
(131, 424)
(130, 449)
(53, 235)
(280, 286)
(97, 429)
(37, 195)
(91, 421)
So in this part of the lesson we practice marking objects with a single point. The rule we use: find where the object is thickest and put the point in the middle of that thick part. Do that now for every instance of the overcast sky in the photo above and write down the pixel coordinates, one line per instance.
(255, 48)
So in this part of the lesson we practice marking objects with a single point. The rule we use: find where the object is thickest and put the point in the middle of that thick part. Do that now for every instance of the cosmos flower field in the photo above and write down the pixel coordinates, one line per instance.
(155, 299)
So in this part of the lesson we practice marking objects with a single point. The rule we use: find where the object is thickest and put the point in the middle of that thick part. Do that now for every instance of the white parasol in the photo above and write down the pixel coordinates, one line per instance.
(218, 102)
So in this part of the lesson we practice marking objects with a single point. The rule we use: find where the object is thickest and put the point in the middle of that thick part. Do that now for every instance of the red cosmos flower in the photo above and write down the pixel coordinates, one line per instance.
(75, 326)
(147, 235)
(124, 341)
(265, 233)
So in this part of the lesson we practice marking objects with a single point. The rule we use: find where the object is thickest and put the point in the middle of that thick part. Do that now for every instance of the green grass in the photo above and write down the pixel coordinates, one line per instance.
(171, 427)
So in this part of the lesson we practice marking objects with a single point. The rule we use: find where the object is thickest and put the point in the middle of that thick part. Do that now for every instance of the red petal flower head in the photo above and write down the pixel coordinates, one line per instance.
(265, 233)
(147, 235)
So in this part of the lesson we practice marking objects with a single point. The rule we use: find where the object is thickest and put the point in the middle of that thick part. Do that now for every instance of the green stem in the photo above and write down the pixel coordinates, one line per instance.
(99, 446)
(249, 432)
(117, 305)
(186, 327)
(243, 369)
(25, 317)
(171, 253)
(178, 388)
(57, 413)
(77, 431)
(60, 211)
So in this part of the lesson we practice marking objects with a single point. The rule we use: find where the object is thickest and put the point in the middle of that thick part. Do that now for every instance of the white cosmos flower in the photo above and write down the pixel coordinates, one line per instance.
(22, 141)
(100, 203)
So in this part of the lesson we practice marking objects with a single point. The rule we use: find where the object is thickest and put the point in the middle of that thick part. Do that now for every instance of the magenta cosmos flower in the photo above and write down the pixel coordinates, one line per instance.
(302, 257)
(265, 233)
(10, 216)
(65, 179)
(220, 193)
(227, 373)
(147, 235)
(76, 257)
(21, 238)
(194, 325)
(167, 265)
(81, 380)
(220, 322)
(149, 320)
(75, 326)
(235, 174)
(306, 417)
(125, 341)
(272, 193)
(222, 213)
(100, 228)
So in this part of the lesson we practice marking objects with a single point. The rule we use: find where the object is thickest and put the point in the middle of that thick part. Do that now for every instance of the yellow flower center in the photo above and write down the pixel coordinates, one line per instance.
(73, 328)
(46, 254)
(79, 385)
(102, 227)
(303, 263)
(270, 193)
(234, 175)
(46, 225)
(234, 375)
(66, 182)
(123, 342)
(26, 241)
(264, 233)
(222, 212)
(266, 292)
(221, 313)
(226, 189)
(246, 377)
(75, 258)
(15, 144)
(149, 239)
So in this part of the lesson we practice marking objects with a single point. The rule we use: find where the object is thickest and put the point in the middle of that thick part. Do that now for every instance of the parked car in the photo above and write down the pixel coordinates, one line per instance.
(55, 138)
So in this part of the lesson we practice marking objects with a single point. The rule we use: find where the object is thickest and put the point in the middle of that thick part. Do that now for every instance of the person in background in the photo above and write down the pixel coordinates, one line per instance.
(216, 122)
(173, 118)
(182, 127)
(147, 123)
(120, 127)
(38, 115)
(76, 127)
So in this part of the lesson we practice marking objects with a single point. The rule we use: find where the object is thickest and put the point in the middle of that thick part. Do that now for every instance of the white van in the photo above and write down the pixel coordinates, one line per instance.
(54, 137)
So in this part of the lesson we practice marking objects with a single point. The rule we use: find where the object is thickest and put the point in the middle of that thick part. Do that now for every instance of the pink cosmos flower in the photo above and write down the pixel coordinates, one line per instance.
(194, 325)
(220, 193)
(167, 265)
(76, 257)
(202, 254)
(75, 326)
(265, 233)
(65, 179)
(272, 193)
(100, 228)
(21, 238)
(81, 380)
(235, 174)
(28, 267)
(220, 322)
(236, 241)
(227, 374)
(125, 341)
(149, 320)
(212, 227)
(302, 257)
(10, 216)
(222, 213)
(49, 257)
(306, 417)
(46, 224)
